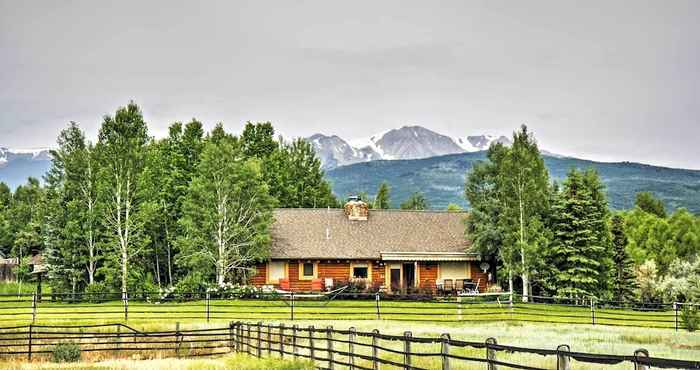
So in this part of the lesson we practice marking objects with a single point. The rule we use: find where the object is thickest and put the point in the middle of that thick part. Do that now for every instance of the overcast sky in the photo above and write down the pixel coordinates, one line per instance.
(601, 80)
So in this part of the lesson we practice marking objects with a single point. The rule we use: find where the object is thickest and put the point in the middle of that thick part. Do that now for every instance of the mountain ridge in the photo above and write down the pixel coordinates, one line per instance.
(442, 178)
(406, 142)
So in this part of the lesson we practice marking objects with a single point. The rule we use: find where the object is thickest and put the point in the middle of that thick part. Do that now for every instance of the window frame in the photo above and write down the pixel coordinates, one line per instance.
(301, 270)
(268, 278)
(367, 265)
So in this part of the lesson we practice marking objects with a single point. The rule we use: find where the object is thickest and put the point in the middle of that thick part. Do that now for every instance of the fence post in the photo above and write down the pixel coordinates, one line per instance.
(177, 339)
(269, 340)
(230, 336)
(312, 353)
(207, 305)
(258, 350)
(282, 340)
(295, 350)
(445, 350)
(125, 298)
(563, 359)
(351, 347)
(379, 316)
(407, 349)
(510, 305)
(119, 337)
(592, 311)
(34, 302)
(675, 310)
(291, 306)
(29, 352)
(248, 339)
(641, 353)
(491, 353)
(329, 340)
(375, 349)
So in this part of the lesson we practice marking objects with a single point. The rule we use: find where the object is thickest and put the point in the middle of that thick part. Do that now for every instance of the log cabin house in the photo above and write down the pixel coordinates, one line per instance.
(389, 250)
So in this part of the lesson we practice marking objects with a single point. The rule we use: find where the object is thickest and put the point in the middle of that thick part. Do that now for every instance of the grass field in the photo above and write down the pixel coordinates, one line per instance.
(527, 325)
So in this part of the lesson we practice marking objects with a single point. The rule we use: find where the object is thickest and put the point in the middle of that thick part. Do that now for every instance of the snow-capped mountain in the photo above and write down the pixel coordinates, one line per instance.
(9, 155)
(408, 142)
(18, 164)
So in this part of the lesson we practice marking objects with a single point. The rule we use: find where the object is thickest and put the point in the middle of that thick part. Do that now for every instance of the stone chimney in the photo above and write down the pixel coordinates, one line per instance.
(356, 209)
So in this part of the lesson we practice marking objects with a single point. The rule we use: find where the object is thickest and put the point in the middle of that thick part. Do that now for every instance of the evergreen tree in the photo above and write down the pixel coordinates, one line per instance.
(5, 229)
(382, 200)
(647, 202)
(416, 201)
(72, 227)
(624, 283)
(576, 250)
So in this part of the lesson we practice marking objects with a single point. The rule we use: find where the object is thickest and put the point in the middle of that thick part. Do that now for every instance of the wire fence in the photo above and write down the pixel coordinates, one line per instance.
(259, 306)
(327, 348)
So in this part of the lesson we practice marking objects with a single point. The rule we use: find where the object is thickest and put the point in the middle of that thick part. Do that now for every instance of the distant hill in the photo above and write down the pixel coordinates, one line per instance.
(16, 165)
(441, 179)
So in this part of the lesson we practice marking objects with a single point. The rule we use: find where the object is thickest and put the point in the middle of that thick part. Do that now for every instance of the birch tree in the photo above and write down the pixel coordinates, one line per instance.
(226, 215)
(121, 146)
(524, 181)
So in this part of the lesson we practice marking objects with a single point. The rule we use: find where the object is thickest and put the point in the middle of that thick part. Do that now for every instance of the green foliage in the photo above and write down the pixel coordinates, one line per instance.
(415, 202)
(194, 282)
(648, 280)
(382, 200)
(510, 198)
(647, 202)
(257, 140)
(66, 352)
(624, 282)
(226, 215)
(690, 318)
(98, 292)
(454, 208)
(294, 177)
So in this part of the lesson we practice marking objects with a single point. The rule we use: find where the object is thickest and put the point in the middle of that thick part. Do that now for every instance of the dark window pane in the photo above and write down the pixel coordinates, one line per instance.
(359, 272)
(308, 269)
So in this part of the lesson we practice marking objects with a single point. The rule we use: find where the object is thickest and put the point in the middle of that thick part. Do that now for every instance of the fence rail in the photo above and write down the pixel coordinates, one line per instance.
(327, 348)
(198, 306)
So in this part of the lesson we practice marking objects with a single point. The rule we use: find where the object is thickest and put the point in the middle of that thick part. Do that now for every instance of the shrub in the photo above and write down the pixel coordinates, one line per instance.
(690, 318)
(97, 292)
(191, 286)
(66, 352)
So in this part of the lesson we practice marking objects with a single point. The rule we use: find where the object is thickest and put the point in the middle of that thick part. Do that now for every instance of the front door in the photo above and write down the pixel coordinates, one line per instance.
(395, 273)
(409, 275)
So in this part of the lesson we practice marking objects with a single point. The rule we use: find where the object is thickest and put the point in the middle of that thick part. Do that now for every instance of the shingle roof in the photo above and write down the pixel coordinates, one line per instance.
(301, 233)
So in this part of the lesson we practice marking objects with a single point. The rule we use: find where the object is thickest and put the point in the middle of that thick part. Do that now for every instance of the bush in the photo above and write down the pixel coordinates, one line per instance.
(97, 292)
(191, 286)
(690, 318)
(66, 352)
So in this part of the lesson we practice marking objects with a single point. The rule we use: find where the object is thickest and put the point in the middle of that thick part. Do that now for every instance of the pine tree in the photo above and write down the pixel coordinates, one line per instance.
(576, 249)
(382, 199)
(624, 283)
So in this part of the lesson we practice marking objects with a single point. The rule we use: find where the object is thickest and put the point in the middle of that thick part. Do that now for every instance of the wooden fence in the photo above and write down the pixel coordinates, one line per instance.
(204, 306)
(327, 348)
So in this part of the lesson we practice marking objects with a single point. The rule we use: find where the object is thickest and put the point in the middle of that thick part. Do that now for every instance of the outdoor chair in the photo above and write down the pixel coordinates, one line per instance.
(459, 285)
(448, 287)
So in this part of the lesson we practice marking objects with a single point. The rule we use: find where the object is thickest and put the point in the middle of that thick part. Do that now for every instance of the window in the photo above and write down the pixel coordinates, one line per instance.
(276, 270)
(307, 271)
(360, 272)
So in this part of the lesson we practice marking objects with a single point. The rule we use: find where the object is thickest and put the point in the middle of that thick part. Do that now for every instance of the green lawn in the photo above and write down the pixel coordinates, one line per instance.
(526, 325)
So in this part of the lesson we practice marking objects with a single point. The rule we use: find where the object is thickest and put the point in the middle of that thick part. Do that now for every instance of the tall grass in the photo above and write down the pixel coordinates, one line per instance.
(26, 288)
(233, 362)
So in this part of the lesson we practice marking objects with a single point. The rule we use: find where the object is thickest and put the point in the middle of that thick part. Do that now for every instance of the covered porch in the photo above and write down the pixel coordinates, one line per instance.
(433, 272)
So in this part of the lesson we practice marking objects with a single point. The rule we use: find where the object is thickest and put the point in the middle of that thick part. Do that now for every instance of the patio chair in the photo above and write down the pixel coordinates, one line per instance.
(459, 285)
(447, 286)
